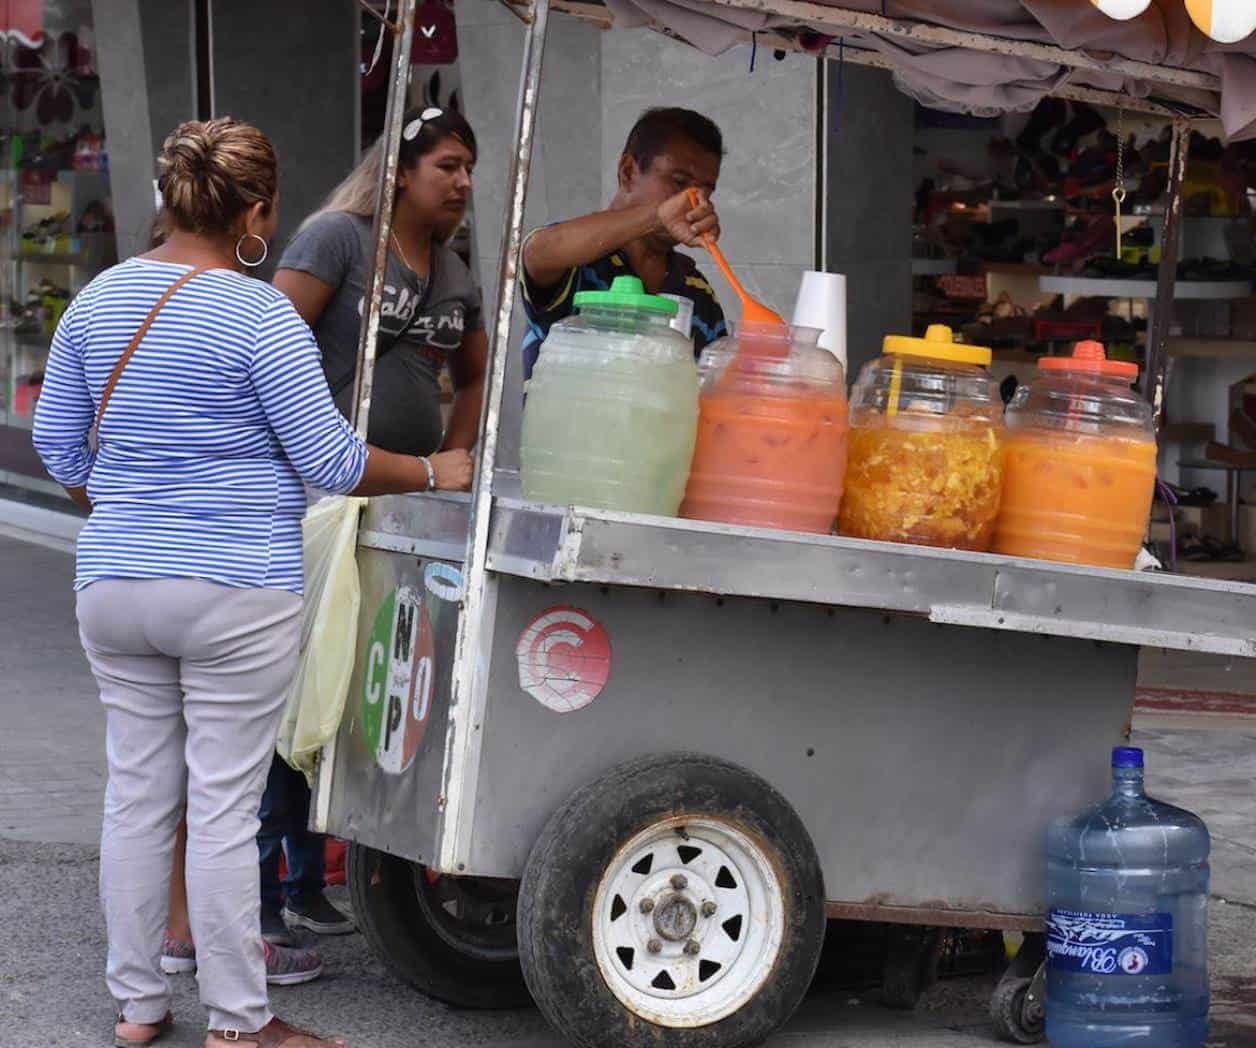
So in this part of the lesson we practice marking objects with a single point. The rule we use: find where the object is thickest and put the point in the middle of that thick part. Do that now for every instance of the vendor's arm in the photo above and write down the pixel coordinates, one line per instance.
(467, 367)
(554, 251)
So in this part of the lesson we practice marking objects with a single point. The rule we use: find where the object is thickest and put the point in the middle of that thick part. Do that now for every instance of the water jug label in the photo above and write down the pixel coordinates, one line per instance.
(1110, 943)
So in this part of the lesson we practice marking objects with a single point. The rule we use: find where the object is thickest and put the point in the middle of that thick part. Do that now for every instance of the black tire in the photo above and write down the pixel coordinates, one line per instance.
(1008, 1013)
(401, 924)
(1014, 1019)
(575, 852)
(911, 964)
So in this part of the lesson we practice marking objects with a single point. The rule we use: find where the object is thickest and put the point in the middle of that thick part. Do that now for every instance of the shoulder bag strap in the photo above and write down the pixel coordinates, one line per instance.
(133, 345)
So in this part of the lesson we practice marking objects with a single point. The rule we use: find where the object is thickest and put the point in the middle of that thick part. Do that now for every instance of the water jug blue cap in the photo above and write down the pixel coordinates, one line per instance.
(1127, 757)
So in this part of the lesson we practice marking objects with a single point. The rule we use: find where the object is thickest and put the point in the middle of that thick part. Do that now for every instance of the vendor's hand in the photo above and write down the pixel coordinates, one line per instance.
(687, 224)
(454, 470)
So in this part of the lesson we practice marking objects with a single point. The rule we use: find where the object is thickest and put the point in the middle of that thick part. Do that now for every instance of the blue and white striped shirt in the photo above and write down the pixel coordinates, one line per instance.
(219, 416)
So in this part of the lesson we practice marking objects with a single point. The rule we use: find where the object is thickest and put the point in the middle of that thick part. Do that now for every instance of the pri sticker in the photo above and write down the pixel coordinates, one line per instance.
(564, 659)
(400, 678)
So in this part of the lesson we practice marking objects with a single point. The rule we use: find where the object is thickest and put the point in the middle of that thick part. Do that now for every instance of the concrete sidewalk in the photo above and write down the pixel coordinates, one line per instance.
(52, 748)
(52, 941)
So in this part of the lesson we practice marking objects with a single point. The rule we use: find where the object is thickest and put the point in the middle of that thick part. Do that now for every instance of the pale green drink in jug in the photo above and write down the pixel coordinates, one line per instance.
(612, 409)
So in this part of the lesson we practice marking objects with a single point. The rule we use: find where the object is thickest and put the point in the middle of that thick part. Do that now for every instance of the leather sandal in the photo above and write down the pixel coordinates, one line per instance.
(278, 1034)
(158, 1030)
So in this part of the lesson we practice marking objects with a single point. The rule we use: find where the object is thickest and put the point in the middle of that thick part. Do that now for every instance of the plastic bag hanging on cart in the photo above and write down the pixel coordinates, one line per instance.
(316, 700)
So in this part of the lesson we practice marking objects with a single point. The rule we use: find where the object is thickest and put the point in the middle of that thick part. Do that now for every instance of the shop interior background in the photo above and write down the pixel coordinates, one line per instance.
(826, 168)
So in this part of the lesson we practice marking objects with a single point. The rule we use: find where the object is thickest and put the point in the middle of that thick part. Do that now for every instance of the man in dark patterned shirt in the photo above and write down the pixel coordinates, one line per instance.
(668, 152)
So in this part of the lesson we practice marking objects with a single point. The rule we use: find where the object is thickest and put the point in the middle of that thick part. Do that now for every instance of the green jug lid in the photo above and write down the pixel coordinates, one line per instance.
(628, 293)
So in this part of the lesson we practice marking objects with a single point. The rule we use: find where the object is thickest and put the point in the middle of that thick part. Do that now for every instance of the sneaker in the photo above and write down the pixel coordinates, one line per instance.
(274, 931)
(177, 955)
(286, 967)
(318, 915)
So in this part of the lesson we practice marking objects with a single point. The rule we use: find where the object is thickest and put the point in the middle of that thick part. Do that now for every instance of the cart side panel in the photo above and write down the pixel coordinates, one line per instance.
(389, 752)
(924, 759)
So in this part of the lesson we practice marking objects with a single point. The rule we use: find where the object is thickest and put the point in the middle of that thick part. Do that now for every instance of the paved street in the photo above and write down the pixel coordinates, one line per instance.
(51, 935)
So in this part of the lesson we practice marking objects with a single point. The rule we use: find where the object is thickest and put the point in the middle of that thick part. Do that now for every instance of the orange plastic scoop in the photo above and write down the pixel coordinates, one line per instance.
(752, 310)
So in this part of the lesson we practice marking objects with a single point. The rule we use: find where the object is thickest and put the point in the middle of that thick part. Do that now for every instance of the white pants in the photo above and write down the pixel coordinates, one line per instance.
(192, 676)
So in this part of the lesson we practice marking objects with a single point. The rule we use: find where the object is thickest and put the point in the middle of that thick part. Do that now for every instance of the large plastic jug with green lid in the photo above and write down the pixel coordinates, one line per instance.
(612, 409)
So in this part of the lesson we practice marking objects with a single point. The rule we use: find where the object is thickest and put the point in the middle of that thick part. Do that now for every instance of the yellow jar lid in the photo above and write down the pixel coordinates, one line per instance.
(939, 343)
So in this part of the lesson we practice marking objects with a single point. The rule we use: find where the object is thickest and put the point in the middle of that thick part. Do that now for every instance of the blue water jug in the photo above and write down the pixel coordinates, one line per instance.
(1127, 931)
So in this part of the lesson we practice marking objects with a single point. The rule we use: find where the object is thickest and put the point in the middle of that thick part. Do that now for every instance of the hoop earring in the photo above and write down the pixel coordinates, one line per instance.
(244, 261)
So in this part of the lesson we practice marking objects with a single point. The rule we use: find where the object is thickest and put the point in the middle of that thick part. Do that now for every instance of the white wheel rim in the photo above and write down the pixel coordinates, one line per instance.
(673, 962)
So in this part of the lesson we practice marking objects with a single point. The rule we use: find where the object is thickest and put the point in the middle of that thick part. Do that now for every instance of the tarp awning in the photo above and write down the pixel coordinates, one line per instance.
(991, 56)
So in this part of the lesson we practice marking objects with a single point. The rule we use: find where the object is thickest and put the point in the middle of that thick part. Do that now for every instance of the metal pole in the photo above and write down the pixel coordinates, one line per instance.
(364, 377)
(403, 34)
(1162, 309)
(468, 694)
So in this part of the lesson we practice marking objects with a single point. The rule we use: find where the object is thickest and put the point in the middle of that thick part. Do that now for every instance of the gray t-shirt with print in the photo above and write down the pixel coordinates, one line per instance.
(427, 325)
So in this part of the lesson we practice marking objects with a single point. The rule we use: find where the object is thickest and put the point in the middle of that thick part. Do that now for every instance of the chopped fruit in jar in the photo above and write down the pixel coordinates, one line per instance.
(928, 486)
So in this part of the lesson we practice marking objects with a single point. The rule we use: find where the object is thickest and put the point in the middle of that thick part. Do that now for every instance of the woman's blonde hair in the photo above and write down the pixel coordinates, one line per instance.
(357, 193)
(210, 171)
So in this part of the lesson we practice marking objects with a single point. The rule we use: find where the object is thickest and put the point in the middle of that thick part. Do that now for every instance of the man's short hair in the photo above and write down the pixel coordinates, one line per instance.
(655, 129)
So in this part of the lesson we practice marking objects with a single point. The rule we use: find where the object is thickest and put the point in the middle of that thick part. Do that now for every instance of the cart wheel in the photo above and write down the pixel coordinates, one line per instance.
(1017, 1007)
(676, 903)
(1017, 1018)
(911, 964)
(452, 938)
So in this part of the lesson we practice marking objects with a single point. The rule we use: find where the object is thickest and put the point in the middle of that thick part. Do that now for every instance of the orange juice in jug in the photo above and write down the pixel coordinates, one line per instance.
(772, 425)
(1080, 466)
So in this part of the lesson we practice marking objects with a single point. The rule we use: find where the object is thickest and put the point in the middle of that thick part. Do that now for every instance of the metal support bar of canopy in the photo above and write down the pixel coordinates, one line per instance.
(839, 20)
(475, 622)
(1093, 96)
(1162, 312)
(398, 88)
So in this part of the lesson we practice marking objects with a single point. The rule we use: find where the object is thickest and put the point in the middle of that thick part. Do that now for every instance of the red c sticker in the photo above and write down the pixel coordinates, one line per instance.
(564, 659)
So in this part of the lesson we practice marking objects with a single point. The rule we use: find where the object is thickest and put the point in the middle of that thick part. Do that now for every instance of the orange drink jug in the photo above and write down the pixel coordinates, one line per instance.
(1080, 468)
(772, 424)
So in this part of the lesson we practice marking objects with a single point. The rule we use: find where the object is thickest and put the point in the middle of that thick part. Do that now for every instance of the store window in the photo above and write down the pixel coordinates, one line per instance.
(56, 212)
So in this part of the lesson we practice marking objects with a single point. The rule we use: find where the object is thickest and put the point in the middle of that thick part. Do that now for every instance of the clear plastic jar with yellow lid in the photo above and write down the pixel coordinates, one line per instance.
(925, 461)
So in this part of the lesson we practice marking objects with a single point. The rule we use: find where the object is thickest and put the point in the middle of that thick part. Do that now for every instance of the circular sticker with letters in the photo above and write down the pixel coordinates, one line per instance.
(564, 659)
(400, 680)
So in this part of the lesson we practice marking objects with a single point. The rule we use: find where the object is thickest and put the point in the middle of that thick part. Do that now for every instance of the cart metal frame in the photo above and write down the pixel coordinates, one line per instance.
(479, 569)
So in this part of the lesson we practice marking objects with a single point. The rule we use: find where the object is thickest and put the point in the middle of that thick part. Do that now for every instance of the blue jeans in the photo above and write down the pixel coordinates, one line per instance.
(285, 814)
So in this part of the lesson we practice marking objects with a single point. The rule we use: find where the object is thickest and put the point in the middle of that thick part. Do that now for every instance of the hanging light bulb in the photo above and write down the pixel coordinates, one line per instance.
(1226, 21)
(1122, 10)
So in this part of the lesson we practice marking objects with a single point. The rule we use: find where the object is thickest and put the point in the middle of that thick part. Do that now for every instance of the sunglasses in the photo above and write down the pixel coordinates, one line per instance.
(411, 131)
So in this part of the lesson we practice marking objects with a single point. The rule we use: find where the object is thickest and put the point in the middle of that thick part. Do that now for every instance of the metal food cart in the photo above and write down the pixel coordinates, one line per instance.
(627, 766)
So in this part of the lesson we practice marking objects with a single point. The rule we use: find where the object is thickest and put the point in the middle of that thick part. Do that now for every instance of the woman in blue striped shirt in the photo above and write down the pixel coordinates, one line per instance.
(189, 570)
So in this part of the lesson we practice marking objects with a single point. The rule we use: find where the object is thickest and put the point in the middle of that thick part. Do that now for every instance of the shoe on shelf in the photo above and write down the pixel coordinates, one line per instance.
(314, 913)
(291, 967)
(177, 956)
(274, 930)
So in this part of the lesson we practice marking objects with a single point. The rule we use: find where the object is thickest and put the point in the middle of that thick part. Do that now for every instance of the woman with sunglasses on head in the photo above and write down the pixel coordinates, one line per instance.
(431, 313)
(430, 318)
